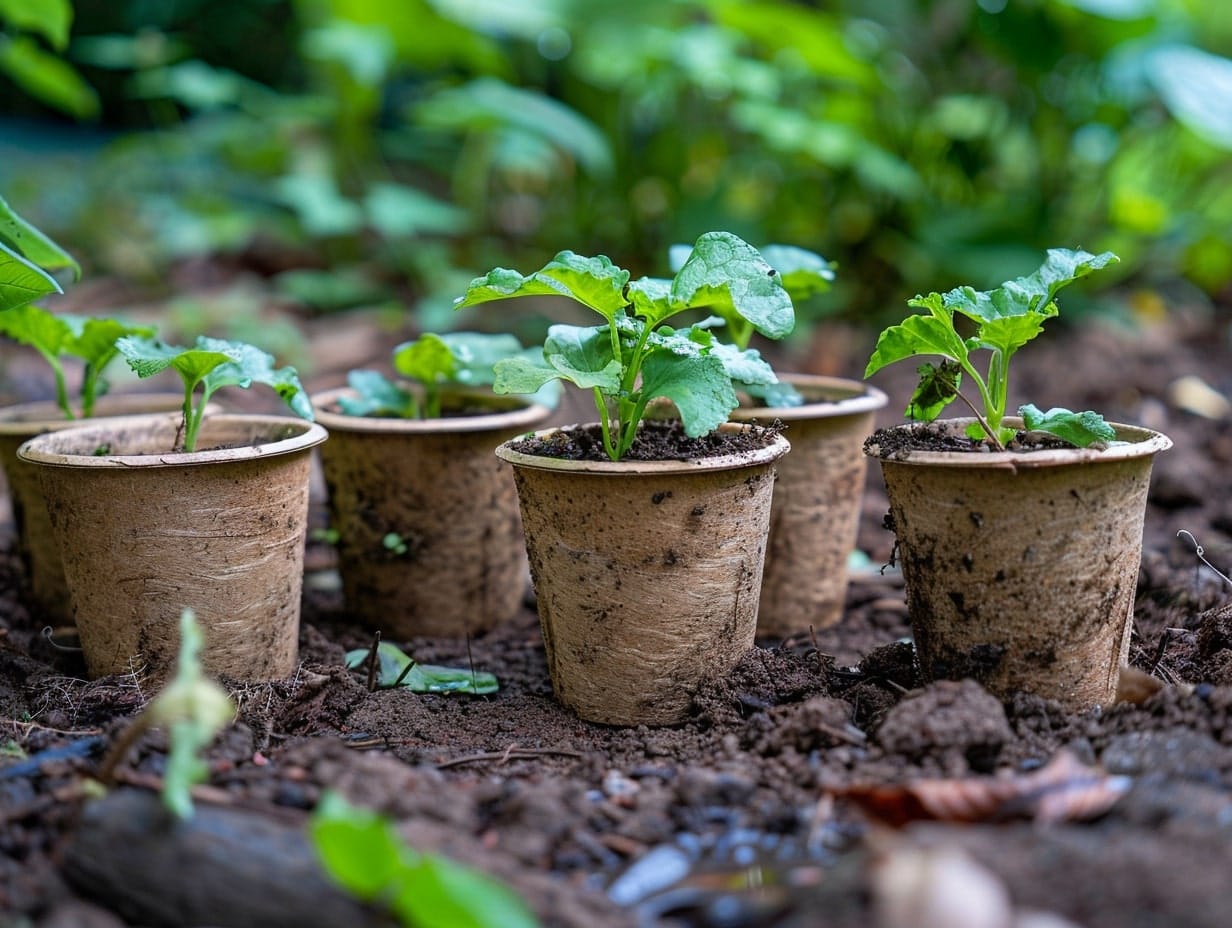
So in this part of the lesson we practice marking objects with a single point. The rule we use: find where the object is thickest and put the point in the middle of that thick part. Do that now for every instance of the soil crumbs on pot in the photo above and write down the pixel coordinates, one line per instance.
(891, 443)
(780, 798)
(656, 440)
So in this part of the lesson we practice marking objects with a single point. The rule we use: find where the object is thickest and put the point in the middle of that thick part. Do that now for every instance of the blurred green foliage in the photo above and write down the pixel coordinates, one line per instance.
(400, 144)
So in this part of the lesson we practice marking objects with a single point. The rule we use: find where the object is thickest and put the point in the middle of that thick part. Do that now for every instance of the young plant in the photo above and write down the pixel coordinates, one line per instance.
(434, 362)
(213, 363)
(396, 668)
(635, 357)
(1005, 320)
(55, 337)
(363, 854)
(27, 258)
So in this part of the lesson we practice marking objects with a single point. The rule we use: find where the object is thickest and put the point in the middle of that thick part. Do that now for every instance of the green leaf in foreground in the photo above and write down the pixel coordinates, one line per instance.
(21, 281)
(1078, 428)
(421, 678)
(363, 854)
(35, 246)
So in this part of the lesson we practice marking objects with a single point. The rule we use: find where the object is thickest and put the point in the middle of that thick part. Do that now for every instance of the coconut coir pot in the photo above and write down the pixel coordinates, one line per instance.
(1021, 567)
(429, 539)
(817, 495)
(647, 573)
(144, 533)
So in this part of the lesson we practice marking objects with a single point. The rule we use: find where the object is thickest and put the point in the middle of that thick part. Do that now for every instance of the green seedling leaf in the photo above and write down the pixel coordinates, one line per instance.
(376, 395)
(363, 854)
(194, 708)
(698, 385)
(21, 281)
(779, 395)
(476, 353)
(582, 356)
(1081, 429)
(48, 334)
(428, 359)
(94, 341)
(421, 678)
(593, 282)
(214, 363)
(1007, 318)
(802, 272)
(37, 248)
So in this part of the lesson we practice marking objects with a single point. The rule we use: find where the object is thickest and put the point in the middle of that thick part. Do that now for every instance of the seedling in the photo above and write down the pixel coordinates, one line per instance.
(394, 669)
(27, 258)
(394, 543)
(635, 357)
(434, 362)
(211, 364)
(55, 337)
(193, 709)
(1006, 319)
(364, 855)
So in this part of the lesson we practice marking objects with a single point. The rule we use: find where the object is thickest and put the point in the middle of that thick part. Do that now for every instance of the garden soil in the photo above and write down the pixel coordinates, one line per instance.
(818, 784)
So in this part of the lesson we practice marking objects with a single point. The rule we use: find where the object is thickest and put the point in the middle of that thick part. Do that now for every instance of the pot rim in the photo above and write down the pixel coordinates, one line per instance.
(778, 447)
(32, 451)
(863, 398)
(525, 415)
(1141, 442)
(39, 416)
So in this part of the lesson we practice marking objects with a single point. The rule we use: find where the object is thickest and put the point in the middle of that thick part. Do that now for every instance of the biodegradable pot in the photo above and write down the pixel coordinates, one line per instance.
(458, 566)
(647, 574)
(40, 558)
(817, 496)
(1021, 567)
(144, 533)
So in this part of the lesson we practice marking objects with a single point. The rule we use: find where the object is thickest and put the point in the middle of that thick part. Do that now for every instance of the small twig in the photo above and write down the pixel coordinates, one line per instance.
(120, 748)
(821, 662)
(373, 661)
(854, 737)
(988, 429)
(1200, 553)
(470, 659)
(513, 752)
(1164, 640)
(402, 676)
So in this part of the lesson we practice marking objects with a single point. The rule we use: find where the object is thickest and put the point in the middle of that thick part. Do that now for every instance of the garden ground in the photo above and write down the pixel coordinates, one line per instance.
(760, 809)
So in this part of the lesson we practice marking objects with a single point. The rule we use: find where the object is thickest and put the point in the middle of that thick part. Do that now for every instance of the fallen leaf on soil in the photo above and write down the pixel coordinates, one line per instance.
(1063, 790)
(398, 669)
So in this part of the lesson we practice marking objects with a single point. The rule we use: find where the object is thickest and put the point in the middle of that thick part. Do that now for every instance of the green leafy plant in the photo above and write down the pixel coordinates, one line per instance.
(211, 364)
(27, 258)
(395, 668)
(91, 339)
(1006, 319)
(635, 357)
(434, 362)
(193, 708)
(363, 854)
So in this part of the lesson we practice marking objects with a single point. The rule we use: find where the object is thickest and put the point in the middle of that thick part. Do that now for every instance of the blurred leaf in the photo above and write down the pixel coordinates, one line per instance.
(320, 207)
(341, 288)
(816, 37)
(46, 77)
(1197, 88)
(422, 36)
(33, 244)
(195, 84)
(398, 211)
(149, 48)
(365, 51)
(51, 19)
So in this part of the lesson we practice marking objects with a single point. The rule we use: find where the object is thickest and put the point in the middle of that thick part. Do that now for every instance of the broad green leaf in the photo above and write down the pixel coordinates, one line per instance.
(917, 335)
(359, 850)
(1009, 333)
(523, 375)
(32, 244)
(421, 678)
(938, 387)
(1034, 293)
(22, 282)
(593, 282)
(426, 359)
(51, 19)
(651, 298)
(94, 339)
(781, 395)
(699, 386)
(252, 365)
(149, 356)
(727, 275)
(747, 366)
(476, 353)
(38, 328)
(803, 272)
(47, 78)
(583, 356)
(438, 893)
(376, 395)
(1078, 428)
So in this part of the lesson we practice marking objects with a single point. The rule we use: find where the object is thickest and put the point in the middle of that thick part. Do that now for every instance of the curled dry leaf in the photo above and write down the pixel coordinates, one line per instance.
(1064, 790)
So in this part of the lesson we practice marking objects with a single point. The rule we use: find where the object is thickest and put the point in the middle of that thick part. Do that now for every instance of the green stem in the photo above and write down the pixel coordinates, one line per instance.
(192, 419)
(608, 445)
(89, 390)
(432, 401)
(629, 428)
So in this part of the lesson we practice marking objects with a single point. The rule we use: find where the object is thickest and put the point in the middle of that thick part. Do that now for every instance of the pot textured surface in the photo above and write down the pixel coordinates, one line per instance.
(817, 497)
(455, 562)
(647, 579)
(44, 574)
(1024, 577)
(221, 532)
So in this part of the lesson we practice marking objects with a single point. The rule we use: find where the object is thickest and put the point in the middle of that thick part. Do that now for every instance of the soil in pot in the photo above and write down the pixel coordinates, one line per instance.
(1020, 566)
(646, 572)
(145, 533)
(429, 538)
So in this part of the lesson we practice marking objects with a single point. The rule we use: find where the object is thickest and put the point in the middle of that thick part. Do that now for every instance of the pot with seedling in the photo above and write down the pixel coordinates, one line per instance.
(1020, 537)
(820, 484)
(92, 342)
(429, 539)
(646, 537)
(157, 513)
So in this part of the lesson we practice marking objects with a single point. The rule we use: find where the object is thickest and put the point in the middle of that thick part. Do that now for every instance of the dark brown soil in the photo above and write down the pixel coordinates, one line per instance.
(940, 436)
(656, 440)
(729, 819)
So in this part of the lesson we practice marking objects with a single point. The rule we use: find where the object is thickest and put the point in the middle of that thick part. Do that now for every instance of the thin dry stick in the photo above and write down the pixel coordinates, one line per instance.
(372, 661)
(988, 429)
(1200, 553)
(513, 752)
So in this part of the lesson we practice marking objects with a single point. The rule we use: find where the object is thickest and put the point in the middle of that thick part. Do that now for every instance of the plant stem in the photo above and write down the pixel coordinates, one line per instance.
(608, 444)
(988, 429)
